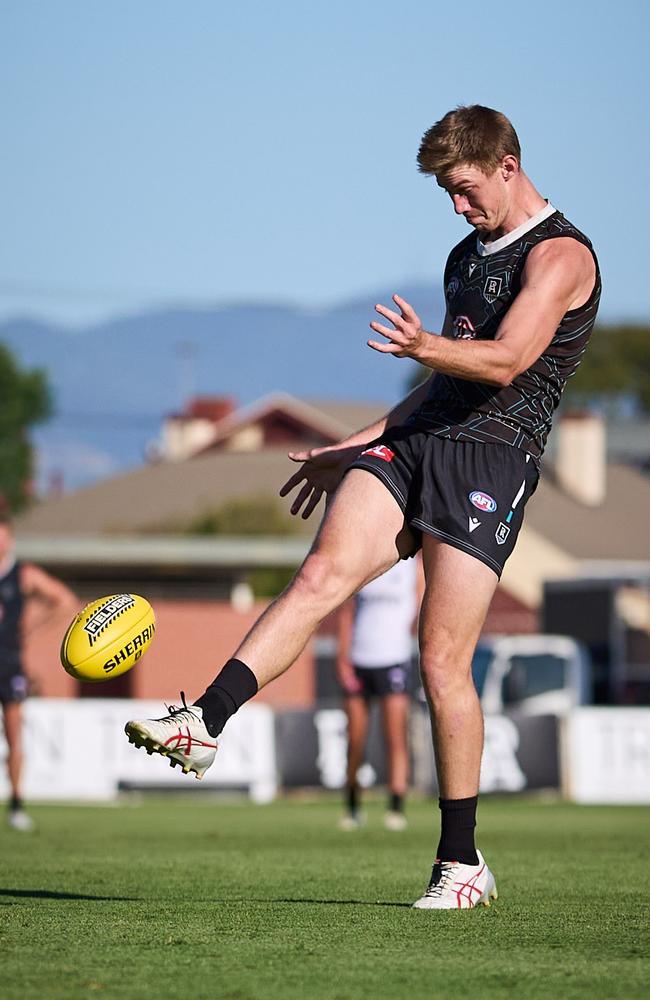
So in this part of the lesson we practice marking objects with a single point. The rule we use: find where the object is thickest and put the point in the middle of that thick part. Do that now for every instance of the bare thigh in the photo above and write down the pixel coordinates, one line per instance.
(361, 536)
(363, 532)
(459, 589)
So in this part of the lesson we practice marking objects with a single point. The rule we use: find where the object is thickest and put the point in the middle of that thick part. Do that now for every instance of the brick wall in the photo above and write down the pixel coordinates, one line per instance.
(193, 640)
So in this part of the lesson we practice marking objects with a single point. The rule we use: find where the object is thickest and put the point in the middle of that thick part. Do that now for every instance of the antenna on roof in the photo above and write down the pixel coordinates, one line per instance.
(186, 353)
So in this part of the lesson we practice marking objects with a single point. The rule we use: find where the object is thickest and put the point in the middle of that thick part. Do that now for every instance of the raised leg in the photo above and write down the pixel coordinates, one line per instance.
(361, 536)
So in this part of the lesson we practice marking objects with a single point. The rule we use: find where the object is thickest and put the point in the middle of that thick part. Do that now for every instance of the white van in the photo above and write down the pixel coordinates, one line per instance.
(531, 674)
(526, 674)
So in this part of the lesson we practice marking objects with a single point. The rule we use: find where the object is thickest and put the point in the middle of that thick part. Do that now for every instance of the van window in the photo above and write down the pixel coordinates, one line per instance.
(480, 664)
(532, 675)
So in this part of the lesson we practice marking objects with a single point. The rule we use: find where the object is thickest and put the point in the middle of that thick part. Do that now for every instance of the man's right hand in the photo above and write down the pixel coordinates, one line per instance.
(347, 678)
(322, 471)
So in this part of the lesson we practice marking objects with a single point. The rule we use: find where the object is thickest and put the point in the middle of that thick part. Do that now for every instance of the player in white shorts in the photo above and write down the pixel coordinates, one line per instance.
(375, 640)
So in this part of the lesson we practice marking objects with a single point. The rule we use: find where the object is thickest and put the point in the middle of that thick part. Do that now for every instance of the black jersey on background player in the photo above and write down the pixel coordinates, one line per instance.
(481, 282)
(13, 684)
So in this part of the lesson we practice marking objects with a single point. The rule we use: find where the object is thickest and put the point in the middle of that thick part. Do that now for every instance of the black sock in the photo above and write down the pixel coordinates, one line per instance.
(234, 685)
(15, 803)
(396, 802)
(458, 818)
(352, 798)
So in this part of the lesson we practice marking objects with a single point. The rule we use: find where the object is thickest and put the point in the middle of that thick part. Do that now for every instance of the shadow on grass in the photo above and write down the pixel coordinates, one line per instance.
(48, 894)
(319, 902)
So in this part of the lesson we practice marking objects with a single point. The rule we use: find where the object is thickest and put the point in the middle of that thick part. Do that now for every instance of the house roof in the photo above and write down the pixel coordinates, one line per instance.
(163, 496)
(331, 420)
(158, 497)
(616, 529)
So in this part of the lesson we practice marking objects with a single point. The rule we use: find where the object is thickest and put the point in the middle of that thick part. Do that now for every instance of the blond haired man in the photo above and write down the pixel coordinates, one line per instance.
(448, 470)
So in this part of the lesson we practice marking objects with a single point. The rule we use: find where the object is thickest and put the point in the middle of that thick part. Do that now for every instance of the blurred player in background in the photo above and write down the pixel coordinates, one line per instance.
(28, 598)
(374, 660)
(448, 470)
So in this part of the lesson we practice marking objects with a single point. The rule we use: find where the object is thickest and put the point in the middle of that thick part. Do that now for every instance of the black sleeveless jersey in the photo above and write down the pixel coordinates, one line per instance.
(481, 283)
(11, 607)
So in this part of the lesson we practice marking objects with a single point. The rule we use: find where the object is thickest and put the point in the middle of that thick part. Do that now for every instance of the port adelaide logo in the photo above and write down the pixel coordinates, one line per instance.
(501, 534)
(492, 288)
(483, 501)
(105, 614)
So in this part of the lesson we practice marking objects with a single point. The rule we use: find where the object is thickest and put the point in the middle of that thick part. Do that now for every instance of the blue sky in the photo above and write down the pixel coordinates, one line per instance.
(203, 152)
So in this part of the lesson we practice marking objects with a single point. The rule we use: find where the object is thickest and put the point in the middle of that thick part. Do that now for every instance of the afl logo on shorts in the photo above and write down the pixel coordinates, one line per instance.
(381, 451)
(483, 501)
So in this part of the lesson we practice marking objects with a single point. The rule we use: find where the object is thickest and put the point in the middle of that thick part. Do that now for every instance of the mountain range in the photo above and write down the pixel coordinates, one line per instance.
(114, 383)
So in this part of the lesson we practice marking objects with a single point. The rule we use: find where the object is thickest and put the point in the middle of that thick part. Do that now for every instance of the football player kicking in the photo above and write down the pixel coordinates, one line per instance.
(448, 470)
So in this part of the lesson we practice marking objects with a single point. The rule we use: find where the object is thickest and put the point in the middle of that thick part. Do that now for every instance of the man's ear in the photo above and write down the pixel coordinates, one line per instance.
(509, 167)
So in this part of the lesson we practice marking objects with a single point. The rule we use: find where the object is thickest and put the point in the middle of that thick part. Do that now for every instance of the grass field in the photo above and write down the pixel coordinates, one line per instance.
(201, 899)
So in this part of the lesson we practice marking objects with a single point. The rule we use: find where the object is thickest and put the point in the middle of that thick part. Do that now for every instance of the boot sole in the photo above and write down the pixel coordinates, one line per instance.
(141, 741)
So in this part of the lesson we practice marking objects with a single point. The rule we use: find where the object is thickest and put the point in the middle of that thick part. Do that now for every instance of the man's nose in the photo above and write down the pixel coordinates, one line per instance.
(460, 203)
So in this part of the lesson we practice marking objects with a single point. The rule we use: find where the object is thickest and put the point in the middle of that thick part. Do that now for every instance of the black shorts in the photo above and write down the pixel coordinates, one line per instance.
(380, 681)
(13, 685)
(468, 494)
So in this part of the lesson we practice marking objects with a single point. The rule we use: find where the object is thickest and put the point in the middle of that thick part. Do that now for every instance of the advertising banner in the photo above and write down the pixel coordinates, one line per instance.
(520, 754)
(606, 755)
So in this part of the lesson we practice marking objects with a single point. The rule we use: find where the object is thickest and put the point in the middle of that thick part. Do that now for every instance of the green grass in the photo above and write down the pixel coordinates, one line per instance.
(200, 899)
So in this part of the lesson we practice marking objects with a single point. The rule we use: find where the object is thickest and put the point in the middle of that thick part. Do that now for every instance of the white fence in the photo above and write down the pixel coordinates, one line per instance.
(606, 755)
(76, 750)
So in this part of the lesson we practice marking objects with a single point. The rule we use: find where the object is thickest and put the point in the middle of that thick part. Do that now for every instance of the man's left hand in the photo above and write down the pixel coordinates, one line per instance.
(407, 339)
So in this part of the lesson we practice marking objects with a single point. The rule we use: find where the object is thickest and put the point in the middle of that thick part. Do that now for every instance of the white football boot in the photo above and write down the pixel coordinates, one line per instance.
(351, 821)
(454, 886)
(19, 820)
(395, 821)
(180, 736)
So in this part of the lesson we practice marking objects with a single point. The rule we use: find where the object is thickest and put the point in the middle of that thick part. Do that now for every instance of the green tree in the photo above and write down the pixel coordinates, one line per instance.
(616, 363)
(257, 515)
(24, 401)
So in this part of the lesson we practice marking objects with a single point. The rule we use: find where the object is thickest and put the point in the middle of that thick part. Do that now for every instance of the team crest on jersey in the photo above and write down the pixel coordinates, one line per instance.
(464, 328)
(492, 288)
(453, 287)
(380, 451)
(483, 501)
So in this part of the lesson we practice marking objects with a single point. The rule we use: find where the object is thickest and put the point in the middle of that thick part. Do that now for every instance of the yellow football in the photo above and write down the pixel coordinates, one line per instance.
(108, 637)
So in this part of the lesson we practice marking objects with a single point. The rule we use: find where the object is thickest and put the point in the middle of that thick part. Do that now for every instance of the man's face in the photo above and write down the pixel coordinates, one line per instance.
(482, 199)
